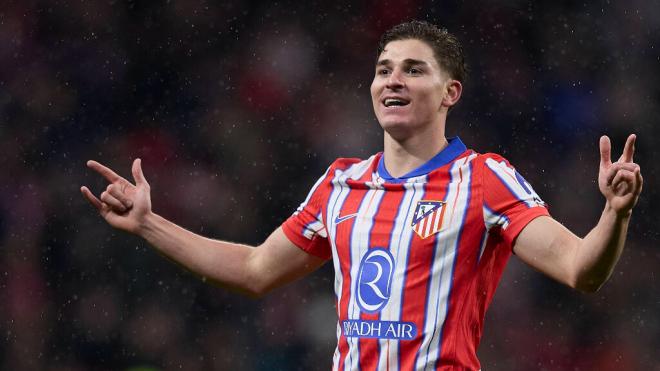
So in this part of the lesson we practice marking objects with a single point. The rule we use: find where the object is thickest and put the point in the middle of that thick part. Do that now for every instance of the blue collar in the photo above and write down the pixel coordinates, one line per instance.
(447, 155)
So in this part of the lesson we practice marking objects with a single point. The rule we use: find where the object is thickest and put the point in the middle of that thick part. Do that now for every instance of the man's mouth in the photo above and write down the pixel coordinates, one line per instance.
(395, 102)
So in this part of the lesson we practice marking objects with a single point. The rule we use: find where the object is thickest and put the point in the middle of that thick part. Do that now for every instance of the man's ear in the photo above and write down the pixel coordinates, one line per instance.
(453, 88)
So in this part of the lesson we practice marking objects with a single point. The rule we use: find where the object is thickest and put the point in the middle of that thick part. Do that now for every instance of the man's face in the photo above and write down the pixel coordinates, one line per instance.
(408, 87)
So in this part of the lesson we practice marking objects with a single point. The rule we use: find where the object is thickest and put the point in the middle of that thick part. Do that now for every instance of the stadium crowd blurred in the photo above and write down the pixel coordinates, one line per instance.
(236, 108)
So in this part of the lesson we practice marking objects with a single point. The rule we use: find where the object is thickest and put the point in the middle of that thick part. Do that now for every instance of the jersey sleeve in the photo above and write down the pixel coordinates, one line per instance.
(509, 201)
(306, 228)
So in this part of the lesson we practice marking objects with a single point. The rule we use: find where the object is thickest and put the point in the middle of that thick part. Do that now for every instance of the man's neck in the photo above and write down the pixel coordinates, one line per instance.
(402, 156)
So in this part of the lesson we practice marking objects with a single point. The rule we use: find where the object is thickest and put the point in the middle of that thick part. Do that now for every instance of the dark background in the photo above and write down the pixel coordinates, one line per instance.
(236, 108)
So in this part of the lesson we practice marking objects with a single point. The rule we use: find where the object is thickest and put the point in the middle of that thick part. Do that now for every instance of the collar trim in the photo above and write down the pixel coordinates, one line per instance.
(454, 149)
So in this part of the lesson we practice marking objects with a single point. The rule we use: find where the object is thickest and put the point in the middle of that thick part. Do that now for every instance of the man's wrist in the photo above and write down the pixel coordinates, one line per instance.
(148, 225)
(620, 215)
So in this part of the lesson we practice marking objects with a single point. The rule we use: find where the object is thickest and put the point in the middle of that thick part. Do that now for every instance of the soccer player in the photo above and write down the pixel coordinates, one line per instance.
(418, 235)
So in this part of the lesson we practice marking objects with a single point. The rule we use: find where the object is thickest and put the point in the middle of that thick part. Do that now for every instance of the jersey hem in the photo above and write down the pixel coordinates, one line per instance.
(511, 233)
(302, 243)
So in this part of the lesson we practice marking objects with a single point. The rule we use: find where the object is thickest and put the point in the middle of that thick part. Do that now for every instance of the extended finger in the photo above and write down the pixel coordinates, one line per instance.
(114, 203)
(605, 150)
(91, 198)
(138, 175)
(106, 172)
(117, 193)
(629, 148)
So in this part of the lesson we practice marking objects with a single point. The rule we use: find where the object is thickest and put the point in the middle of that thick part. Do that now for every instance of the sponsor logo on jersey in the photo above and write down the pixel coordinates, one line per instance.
(379, 329)
(374, 285)
(344, 218)
(374, 281)
(428, 217)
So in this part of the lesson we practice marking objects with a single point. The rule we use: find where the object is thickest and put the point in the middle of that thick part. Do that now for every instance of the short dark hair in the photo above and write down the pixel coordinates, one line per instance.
(447, 49)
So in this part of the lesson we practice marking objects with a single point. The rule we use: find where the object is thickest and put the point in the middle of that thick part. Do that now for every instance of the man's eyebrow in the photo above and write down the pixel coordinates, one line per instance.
(411, 61)
(407, 62)
(383, 62)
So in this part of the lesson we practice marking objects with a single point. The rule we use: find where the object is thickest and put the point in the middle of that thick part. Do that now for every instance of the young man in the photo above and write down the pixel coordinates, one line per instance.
(419, 234)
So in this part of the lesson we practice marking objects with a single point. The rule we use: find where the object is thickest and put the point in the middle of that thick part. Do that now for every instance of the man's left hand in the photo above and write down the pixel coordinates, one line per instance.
(620, 182)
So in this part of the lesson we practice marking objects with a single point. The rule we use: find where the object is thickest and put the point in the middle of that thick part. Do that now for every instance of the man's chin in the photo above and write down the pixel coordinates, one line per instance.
(398, 130)
(394, 124)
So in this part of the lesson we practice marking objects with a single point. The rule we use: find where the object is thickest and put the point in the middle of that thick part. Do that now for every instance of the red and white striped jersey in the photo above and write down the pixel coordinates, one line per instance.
(417, 258)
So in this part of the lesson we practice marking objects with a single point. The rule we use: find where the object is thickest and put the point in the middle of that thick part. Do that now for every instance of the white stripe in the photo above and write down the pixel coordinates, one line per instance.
(441, 269)
(359, 246)
(429, 223)
(438, 214)
(508, 176)
(337, 354)
(483, 245)
(336, 199)
(357, 170)
(402, 234)
(340, 191)
(315, 227)
(492, 219)
(419, 228)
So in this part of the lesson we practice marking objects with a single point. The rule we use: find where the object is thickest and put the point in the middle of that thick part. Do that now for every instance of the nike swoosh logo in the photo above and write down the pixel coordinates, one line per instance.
(344, 218)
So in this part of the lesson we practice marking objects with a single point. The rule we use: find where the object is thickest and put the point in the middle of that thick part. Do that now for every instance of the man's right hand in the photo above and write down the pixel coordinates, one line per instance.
(123, 205)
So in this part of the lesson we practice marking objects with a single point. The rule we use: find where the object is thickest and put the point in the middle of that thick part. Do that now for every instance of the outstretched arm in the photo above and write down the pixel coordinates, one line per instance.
(586, 263)
(251, 270)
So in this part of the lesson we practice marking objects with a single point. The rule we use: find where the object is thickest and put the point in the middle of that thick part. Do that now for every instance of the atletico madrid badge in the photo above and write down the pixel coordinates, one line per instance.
(428, 217)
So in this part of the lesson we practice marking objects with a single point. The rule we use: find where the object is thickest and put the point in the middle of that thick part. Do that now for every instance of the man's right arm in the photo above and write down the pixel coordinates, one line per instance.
(250, 270)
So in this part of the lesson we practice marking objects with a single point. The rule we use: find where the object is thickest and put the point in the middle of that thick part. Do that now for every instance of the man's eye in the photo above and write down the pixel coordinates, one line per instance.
(414, 71)
(383, 72)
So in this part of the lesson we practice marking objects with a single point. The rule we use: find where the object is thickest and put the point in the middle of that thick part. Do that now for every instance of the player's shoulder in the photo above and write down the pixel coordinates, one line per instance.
(344, 163)
(490, 157)
(493, 162)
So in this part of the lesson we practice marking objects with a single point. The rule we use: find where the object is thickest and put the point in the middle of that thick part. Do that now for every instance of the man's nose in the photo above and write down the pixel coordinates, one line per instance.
(395, 80)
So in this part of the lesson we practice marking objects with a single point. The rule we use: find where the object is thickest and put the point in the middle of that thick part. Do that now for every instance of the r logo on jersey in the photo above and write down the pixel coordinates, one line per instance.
(428, 217)
(375, 280)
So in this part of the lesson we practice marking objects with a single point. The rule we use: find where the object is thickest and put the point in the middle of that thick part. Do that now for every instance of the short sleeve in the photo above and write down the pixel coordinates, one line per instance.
(306, 228)
(509, 201)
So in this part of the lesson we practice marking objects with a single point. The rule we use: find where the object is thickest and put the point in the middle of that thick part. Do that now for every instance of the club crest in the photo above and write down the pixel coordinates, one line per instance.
(428, 217)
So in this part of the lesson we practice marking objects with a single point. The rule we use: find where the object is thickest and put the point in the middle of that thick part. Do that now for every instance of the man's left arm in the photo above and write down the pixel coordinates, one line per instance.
(586, 263)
